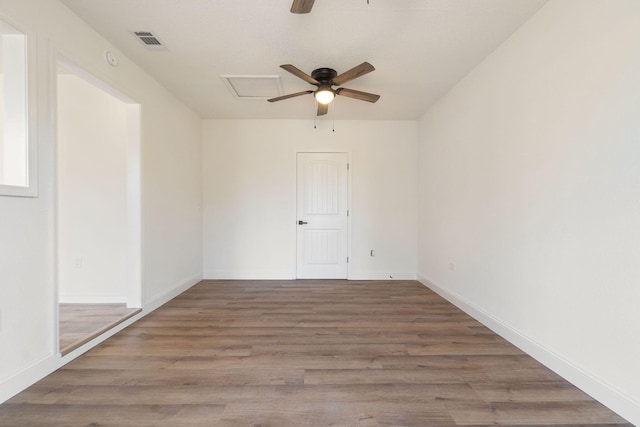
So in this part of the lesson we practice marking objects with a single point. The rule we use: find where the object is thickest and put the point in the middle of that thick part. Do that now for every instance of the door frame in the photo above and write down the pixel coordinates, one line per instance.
(134, 248)
(294, 217)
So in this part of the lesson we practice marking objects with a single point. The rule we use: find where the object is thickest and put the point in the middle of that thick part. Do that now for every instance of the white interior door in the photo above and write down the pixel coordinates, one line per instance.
(322, 216)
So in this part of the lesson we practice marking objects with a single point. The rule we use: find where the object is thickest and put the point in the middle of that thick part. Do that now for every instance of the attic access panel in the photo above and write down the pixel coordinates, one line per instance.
(253, 87)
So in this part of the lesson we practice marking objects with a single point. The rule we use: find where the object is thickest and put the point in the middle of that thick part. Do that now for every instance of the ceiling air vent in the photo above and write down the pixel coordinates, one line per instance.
(149, 40)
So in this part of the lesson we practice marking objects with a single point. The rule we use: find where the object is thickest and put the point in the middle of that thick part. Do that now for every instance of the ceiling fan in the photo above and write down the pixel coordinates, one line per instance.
(324, 79)
(302, 6)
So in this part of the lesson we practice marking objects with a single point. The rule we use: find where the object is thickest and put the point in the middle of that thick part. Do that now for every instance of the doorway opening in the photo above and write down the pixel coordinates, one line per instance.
(98, 207)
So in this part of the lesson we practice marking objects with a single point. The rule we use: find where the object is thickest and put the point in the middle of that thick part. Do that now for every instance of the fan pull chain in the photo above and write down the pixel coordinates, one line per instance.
(333, 115)
(315, 116)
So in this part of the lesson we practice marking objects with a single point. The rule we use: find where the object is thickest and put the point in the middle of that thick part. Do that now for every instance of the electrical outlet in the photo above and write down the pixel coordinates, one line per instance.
(372, 252)
(452, 266)
(78, 262)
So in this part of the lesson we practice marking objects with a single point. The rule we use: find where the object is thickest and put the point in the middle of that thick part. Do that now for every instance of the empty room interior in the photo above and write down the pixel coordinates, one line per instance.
(313, 213)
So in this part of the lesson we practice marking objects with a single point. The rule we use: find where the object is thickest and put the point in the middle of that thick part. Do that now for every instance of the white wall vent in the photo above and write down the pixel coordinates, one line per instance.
(149, 40)
(254, 87)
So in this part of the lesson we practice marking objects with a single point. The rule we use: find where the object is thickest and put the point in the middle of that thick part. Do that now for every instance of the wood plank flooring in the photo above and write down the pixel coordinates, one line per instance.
(80, 323)
(305, 353)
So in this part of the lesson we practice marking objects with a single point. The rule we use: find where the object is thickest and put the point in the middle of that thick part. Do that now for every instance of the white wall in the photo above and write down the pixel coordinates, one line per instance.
(171, 202)
(250, 198)
(92, 193)
(530, 185)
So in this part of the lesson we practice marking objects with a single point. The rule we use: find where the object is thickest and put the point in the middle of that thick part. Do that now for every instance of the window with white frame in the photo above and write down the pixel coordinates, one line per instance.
(15, 165)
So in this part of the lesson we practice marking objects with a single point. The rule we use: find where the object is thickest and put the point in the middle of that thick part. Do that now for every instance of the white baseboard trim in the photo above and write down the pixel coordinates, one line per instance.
(247, 275)
(17, 382)
(382, 276)
(277, 275)
(158, 300)
(614, 399)
(92, 299)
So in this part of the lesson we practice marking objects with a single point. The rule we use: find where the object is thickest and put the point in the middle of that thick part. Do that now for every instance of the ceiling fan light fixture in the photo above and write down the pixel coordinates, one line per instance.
(324, 79)
(324, 95)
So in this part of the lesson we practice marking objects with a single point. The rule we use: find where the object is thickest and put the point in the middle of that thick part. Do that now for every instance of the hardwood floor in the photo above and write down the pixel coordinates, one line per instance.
(305, 353)
(80, 323)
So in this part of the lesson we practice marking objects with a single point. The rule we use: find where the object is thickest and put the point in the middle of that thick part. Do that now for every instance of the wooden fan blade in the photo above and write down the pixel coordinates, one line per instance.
(322, 109)
(291, 95)
(301, 6)
(356, 94)
(300, 74)
(353, 73)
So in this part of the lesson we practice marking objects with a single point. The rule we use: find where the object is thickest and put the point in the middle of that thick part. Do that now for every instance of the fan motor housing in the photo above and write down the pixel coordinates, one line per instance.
(324, 75)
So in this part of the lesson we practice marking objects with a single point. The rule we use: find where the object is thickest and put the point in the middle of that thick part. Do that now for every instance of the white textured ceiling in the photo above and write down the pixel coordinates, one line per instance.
(420, 48)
